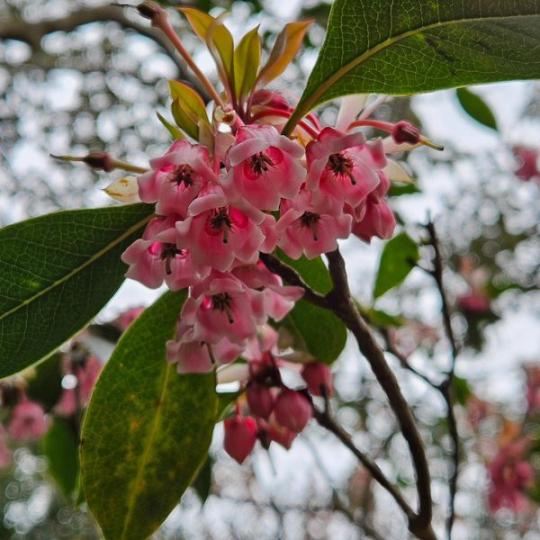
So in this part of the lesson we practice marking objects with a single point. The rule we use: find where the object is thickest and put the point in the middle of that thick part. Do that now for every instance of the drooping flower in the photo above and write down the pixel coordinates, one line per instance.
(28, 421)
(240, 437)
(264, 167)
(260, 400)
(318, 378)
(155, 258)
(176, 178)
(528, 163)
(342, 169)
(292, 410)
(302, 229)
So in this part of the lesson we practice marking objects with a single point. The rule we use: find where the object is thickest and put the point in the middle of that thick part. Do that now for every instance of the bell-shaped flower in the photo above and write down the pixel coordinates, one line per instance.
(342, 169)
(378, 220)
(260, 400)
(292, 410)
(176, 178)
(318, 378)
(240, 437)
(302, 229)
(155, 258)
(218, 235)
(264, 167)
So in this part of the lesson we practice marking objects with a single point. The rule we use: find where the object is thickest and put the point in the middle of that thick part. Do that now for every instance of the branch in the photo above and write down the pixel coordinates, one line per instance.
(33, 33)
(292, 277)
(446, 385)
(343, 305)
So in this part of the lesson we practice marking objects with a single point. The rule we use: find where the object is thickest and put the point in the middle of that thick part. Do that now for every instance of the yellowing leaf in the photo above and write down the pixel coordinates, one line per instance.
(218, 40)
(247, 58)
(187, 108)
(285, 48)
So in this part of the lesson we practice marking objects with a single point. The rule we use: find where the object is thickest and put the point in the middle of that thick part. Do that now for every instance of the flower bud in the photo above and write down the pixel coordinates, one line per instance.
(405, 132)
(318, 378)
(260, 400)
(293, 410)
(281, 435)
(100, 160)
(240, 437)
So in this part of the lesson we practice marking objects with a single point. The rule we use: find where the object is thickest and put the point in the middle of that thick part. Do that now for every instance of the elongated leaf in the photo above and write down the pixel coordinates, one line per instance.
(476, 108)
(56, 272)
(247, 58)
(324, 335)
(397, 260)
(284, 50)
(187, 108)
(174, 132)
(218, 39)
(147, 429)
(417, 46)
(62, 451)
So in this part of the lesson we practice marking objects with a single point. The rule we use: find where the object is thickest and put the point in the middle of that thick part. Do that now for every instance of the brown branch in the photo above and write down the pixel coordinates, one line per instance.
(343, 305)
(33, 32)
(446, 386)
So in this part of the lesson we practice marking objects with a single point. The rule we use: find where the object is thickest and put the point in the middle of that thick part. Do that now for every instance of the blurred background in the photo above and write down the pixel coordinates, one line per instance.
(78, 75)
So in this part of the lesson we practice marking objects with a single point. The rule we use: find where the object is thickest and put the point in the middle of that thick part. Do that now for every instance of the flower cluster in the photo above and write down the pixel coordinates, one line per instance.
(218, 208)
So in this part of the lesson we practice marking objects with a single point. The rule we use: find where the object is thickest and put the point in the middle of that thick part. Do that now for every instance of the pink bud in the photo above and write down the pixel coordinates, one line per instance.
(292, 410)
(405, 132)
(260, 400)
(318, 378)
(240, 437)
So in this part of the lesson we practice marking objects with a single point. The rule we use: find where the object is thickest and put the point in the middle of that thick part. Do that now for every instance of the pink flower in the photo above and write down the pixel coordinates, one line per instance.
(528, 163)
(67, 405)
(28, 421)
(264, 167)
(318, 378)
(474, 303)
(240, 437)
(378, 220)
(302, 229)
(155, 258)
(342, 169)
(5, 452)
(510, 476)
(533, 388)
(292, 410)
(260, 400)
(87, 375)
(272, 431)
(176, 178)
(218, 235)
(127, 317)
(195, 356)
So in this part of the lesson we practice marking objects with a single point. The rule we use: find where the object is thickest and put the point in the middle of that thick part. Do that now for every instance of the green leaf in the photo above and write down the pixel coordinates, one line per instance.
(383, 319)
(397, 260)
(323, 334)
(476, 108)
(187, 108)
(285, 48)
(44, 381)
(56, 273)
(461, 390)
(147, 429)
(62, 452)
(175, 133)
(397, 190)
(415, 46)
(247, 58)
(203, 481)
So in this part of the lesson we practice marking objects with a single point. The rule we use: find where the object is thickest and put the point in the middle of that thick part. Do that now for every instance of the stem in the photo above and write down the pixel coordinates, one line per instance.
(343, 305)
(161, 20)
(284, 114)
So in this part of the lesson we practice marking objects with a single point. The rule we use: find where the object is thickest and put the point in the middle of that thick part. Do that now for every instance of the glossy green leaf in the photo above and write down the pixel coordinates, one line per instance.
(414, 46)
(203, 481)
(323, 334)
(175, 132)
(397, 190)
(397, 260)
(56, 273)
(62, 452)
(147, 429)
(247, 58)
(476, 108)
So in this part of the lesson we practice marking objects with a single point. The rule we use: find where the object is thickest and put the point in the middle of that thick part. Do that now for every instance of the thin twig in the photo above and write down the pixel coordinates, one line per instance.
(446, 386)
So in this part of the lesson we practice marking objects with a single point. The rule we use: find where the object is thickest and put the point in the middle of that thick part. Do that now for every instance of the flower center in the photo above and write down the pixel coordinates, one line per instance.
(169, 252)
(342, 165)
(220, 221)
(223, 302)
(310, 220)
(183, 174)
(260, 163)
